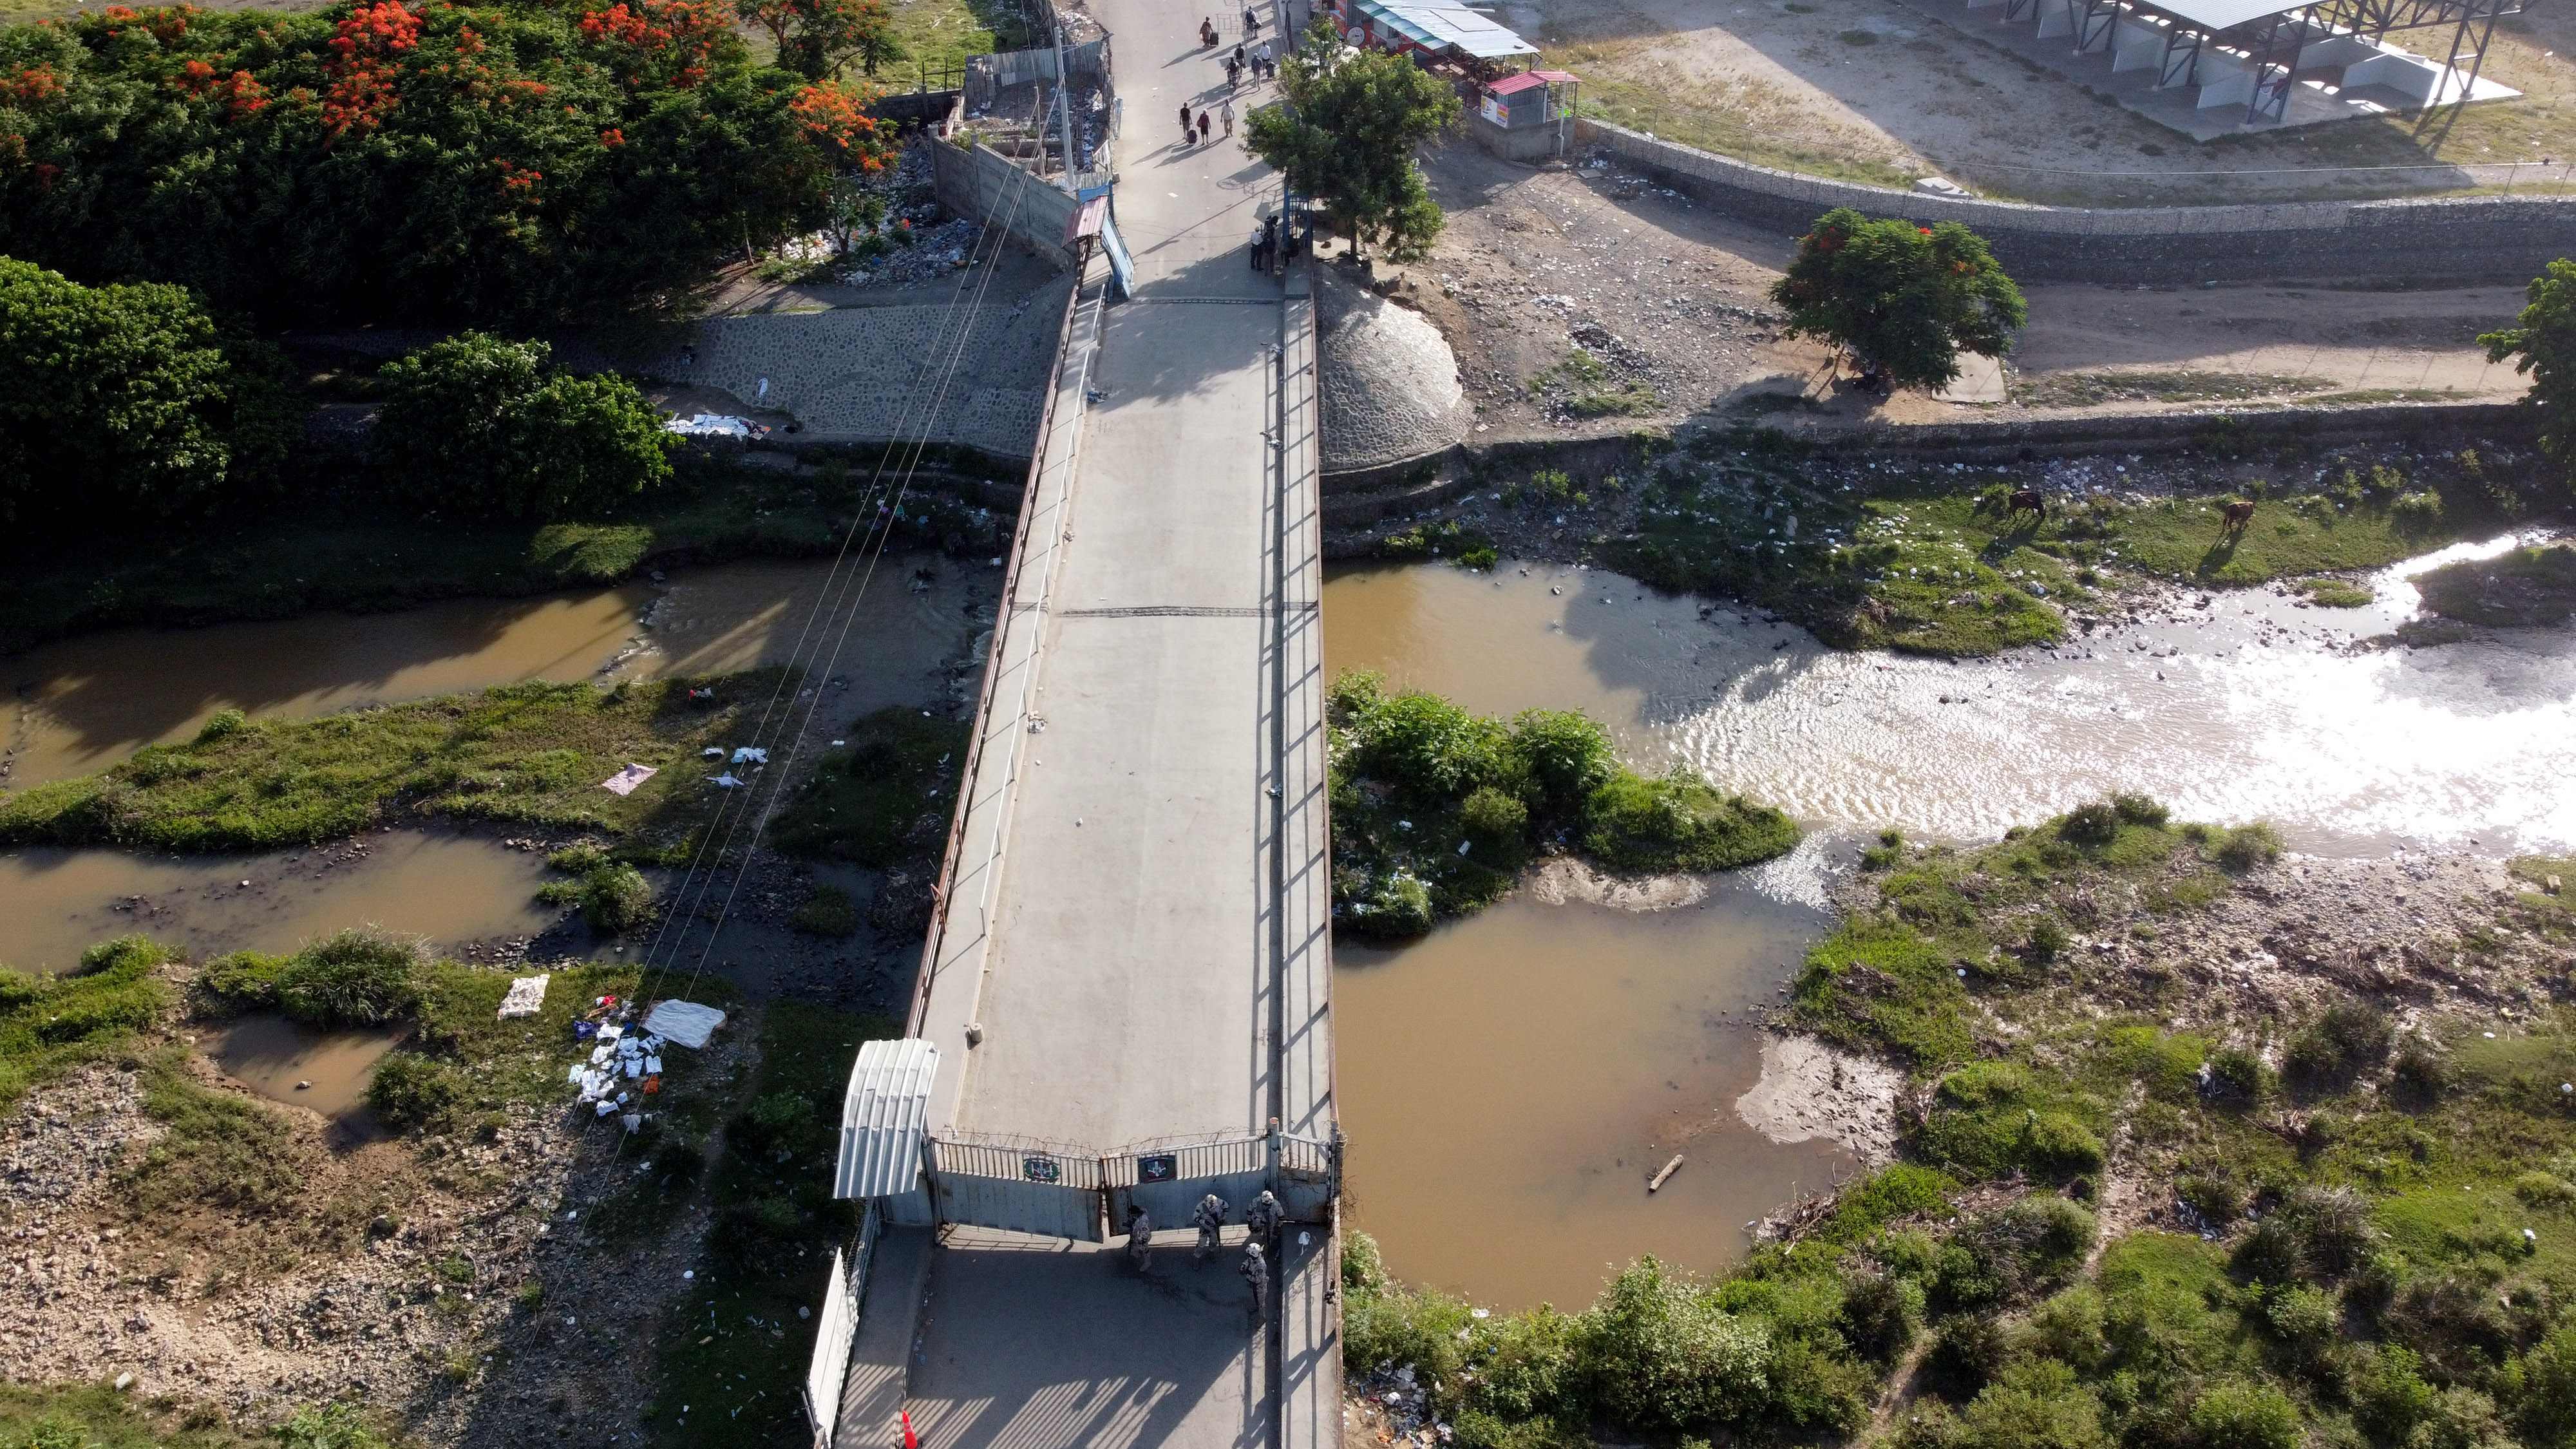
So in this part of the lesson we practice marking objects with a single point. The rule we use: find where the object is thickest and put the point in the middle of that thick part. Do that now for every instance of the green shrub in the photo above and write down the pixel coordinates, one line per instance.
(1567, 754)
(2047, 940)
(124, 403)
(615, 899)
(2071, 1327)
(2094, 824)
(1363, 1266)
(2057, 1146)
(1880, 1313)
(2218, 1201)
(1967, 1351)
(1527, 1366)
(1678, 823)
(2417, 512)
(2541, 1387)
(1493, 819)
(1399, 907)
(2237, 1414)
(2139, 809)
(2034, 1404)
(2246, 847)
(2421, 1075)
(331, 1426)
(579, 858)
(2303, 1318)
(410, 1090)
(829, 911)
(1662, 1357)
(223, 722)
(477, 426)
(2236, 1076)
(1422, 744)
(2348, 1038)
(351, 978)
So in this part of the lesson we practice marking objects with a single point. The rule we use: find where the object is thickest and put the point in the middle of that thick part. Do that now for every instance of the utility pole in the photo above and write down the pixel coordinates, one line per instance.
(1064, 111)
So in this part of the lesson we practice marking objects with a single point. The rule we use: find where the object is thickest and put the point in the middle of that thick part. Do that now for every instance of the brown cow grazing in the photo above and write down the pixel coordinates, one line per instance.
(2025, 500)
(2237, 515)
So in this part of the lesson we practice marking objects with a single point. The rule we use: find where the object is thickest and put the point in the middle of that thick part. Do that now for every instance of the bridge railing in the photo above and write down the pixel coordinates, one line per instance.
(1028, 1185)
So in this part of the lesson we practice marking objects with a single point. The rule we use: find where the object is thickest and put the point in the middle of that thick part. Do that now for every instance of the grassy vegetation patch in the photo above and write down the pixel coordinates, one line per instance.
(2331, 593)
(1941, 564)
(280, 566)
(1745, 119)
(50, 1024)
(101, 1416)
(527, 754)
(732, 1353)
(2524, 587)
(354, 977)
(883, 798)
(1588, 387)
(1436, 810)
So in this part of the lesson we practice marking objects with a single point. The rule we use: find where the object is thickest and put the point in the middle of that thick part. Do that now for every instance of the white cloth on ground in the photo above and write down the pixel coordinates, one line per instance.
(526, 994)
(685, 1022)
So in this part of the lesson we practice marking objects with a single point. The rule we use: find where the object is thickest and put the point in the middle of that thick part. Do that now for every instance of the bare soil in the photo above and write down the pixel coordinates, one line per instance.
(1671, 296)
(421, 1317)
(1885, 90)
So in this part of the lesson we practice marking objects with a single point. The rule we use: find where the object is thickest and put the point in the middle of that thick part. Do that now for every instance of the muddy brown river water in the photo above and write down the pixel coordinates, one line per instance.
(88, 703)
(1509, 1083)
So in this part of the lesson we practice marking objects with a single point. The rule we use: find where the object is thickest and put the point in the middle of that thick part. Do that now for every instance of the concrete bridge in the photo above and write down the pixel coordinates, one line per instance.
(1126, 997)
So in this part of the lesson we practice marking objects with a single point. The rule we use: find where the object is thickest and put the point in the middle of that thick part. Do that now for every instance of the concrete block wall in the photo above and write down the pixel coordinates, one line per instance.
(981, 182)
(2480, 239)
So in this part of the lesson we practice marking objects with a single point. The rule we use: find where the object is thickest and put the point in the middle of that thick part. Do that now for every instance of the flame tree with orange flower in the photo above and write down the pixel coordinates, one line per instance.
(402, 160)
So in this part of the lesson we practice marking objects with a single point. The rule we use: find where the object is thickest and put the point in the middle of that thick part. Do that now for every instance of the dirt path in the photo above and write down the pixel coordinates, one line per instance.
(1669, 297)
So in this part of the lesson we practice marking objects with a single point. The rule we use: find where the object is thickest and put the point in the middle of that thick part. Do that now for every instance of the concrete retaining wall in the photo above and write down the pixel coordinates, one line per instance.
(2483, 239)
(982, 182)
(1362, 495)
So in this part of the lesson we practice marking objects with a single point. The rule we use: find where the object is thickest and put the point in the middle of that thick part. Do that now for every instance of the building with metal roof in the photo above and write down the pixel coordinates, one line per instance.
(884, 1116)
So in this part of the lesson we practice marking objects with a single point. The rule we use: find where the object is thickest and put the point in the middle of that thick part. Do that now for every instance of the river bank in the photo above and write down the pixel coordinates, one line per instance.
(346, 557)
(1934, 559)
(2146, 1071)
(487, 1267)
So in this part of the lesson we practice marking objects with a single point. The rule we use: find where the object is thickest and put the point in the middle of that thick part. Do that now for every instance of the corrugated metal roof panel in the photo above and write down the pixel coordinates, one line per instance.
(1461, 28)
(884, 1117)
(1512, 85)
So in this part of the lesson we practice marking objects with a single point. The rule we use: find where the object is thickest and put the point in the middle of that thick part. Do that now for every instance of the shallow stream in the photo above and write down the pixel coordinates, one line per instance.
(1510, 1082)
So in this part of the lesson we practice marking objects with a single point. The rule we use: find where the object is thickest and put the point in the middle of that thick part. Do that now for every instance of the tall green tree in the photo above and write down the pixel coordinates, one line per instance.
(1906, 299)
(127, 402)
(479, 426)
(1346, 135)
(2542, 344)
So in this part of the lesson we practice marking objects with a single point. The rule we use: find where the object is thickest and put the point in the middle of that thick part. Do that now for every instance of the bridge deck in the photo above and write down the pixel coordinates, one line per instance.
(1139, 920)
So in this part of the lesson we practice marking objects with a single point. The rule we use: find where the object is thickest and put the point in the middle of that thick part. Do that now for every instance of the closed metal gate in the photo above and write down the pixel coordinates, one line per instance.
(1168, 1183)
(1037, 1190)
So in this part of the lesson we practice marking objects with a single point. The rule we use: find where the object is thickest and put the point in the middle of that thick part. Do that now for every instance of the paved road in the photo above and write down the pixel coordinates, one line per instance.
(1139, 923)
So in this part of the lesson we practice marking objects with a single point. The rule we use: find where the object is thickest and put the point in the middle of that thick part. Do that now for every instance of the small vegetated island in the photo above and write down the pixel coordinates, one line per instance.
(2199, 1149)
(1436, 811)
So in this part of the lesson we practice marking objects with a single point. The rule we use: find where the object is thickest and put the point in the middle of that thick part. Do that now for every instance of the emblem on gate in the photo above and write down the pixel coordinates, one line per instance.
(1041, 1169)
(1158, 1167)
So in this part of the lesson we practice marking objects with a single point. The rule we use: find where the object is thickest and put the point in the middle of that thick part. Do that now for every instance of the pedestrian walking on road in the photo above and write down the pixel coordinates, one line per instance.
(1204, 128)
(1207, 33)
(1233, 75)
(1226, 112)
(1270, 243)
(1185, 123)
(1254, 251)
(1251, 21)
(1263, 1216)
(1209, 1218)
(1238, 53)
(1140, 1237)
(1256, 1275)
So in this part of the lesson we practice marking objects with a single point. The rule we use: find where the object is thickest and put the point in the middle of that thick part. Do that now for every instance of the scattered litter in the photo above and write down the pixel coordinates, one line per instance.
(715, 425)
(713, 752)
(726, 780)
(754, 756)
(526, 994)
(625, 781)
(1656, 1184)
(685, 1022)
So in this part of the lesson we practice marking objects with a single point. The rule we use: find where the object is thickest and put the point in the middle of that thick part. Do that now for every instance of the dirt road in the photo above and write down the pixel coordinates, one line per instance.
(1668, 299)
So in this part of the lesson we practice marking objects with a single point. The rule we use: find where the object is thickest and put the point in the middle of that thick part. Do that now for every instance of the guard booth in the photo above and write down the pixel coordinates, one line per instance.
(1525, 116)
